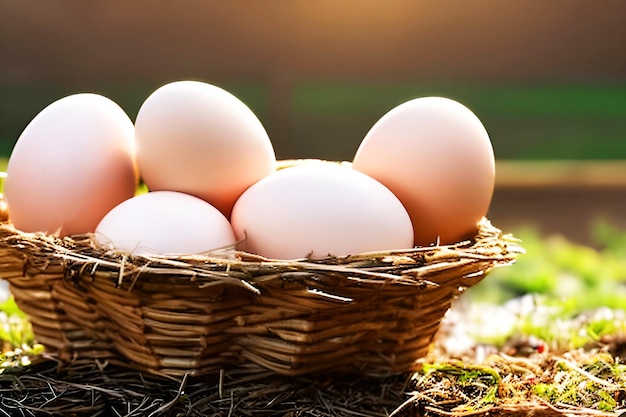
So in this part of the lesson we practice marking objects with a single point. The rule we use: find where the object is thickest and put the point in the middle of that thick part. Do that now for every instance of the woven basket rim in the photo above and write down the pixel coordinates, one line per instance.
(489, 245)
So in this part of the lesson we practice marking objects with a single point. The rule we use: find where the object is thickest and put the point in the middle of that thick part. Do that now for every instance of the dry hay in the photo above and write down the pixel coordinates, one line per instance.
(571, 384)
(88, 388)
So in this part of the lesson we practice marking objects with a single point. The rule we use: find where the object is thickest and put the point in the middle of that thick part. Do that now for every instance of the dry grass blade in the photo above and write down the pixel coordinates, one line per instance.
(83, 389)
(86, 389)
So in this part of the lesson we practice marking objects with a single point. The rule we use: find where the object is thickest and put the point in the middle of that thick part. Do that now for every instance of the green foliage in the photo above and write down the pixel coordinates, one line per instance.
(15, 329)
(19, 357)
(578, 276)
(573, 294)
(561, 326)
(534, 121)
(17, 341)
(612, 239)
(10, 308)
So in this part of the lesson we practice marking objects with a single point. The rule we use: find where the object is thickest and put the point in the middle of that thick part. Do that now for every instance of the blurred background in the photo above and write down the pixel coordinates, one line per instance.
(548, 79)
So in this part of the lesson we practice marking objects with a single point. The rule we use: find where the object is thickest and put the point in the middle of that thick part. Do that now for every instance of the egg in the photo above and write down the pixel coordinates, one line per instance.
(165, 223)
(196, 138)
(73, 163)
(435, 155)
(317, 210)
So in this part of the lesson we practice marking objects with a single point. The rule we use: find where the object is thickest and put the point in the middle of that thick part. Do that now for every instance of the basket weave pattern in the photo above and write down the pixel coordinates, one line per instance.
(373, 313)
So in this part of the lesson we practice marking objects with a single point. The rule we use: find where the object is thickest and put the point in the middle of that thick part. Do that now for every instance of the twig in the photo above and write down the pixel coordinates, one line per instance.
(169, 404)
(586, 374)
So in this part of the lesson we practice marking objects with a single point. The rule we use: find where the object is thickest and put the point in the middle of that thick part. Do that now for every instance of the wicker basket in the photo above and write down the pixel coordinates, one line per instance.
(373, 313)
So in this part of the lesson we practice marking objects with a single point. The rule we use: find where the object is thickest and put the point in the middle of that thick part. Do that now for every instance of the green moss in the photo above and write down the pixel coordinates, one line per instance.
(592, 382)
(590, 385)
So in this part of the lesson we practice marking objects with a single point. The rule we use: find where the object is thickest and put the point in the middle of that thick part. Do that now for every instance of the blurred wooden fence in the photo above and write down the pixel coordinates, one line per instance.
(560, 197)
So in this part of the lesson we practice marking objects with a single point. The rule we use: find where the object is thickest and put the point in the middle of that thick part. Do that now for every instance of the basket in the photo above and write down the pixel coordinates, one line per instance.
(371, 313)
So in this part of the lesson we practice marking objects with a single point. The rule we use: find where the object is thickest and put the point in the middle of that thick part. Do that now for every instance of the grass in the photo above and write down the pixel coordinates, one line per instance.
(16, 338)
(559, 269)
(566, 294)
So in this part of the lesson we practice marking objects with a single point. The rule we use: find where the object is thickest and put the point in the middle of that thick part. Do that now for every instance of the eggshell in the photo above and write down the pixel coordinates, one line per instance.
(435, 155)
(319, 210)
(165, 223)
(197, 138)
(73, 163)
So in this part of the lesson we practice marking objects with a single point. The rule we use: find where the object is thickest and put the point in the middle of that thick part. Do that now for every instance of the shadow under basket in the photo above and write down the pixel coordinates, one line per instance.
(372, 313)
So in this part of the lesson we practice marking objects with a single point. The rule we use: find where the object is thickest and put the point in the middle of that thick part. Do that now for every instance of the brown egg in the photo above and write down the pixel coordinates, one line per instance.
(199, 139)
(73, 163)
(435, 155)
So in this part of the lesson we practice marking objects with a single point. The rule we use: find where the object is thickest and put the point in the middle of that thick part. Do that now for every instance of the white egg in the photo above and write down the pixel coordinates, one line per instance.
(165, 223)
(319, 210)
